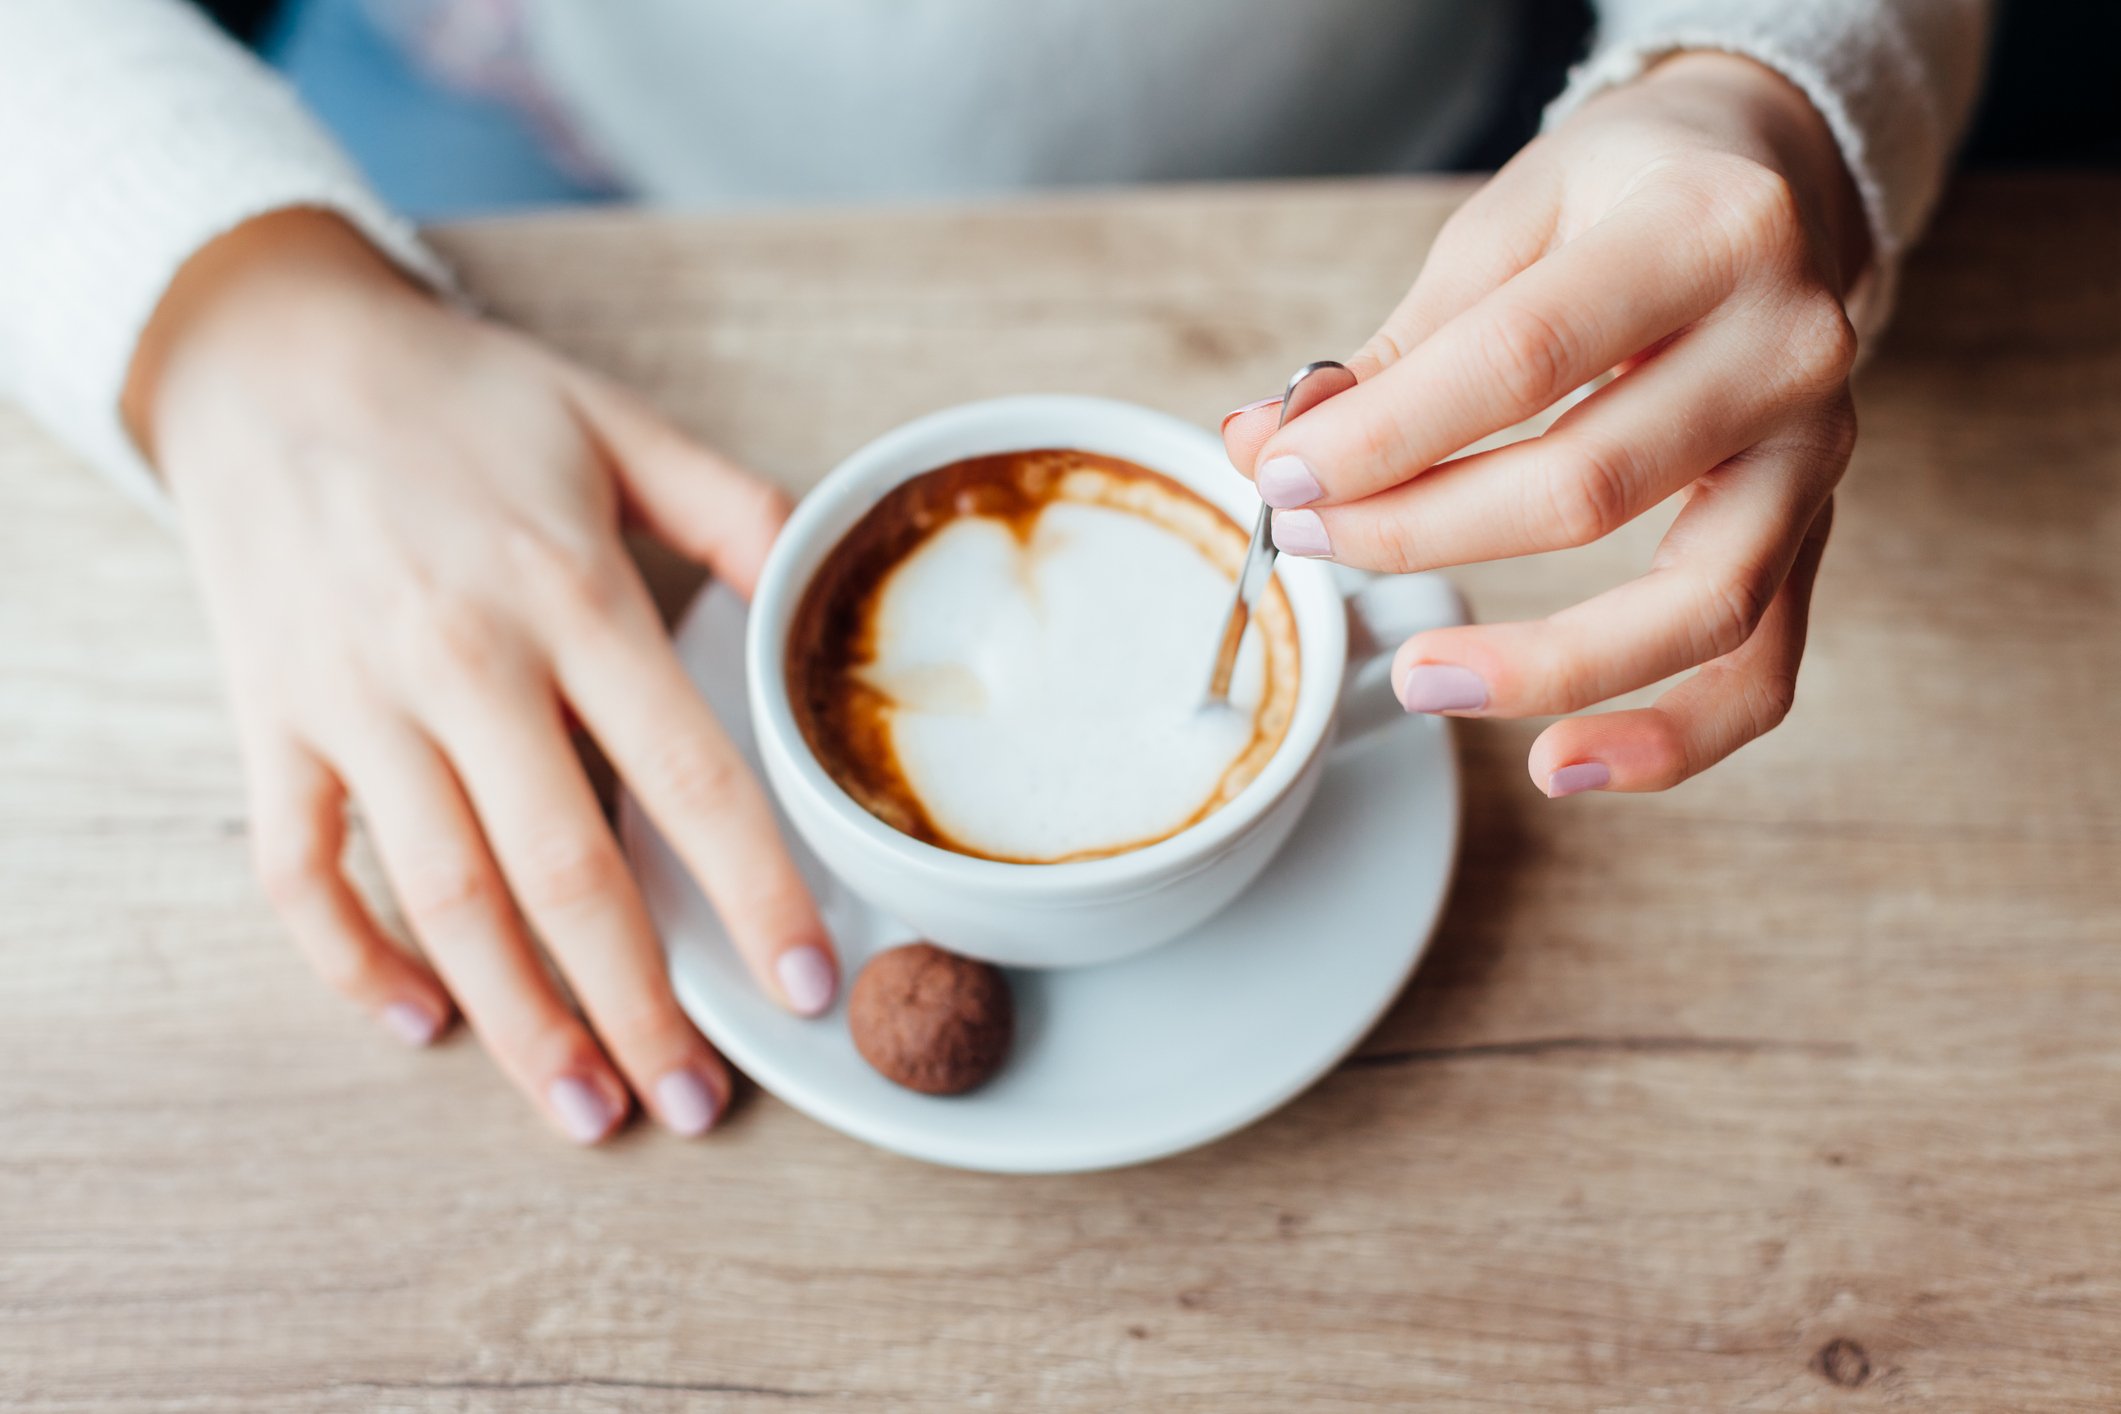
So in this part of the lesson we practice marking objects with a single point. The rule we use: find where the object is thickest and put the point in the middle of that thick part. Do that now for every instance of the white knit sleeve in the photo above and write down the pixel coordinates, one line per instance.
(131, 134)
(1895, 81)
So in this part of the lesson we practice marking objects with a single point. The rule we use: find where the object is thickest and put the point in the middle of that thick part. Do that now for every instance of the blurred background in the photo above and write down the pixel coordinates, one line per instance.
(445, 122)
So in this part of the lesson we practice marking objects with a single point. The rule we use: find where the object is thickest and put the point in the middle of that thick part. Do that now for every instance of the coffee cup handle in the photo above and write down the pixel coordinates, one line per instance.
(1383, 612)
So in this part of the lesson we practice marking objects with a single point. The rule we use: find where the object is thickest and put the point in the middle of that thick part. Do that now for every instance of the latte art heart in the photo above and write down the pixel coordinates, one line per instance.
(1008, 658)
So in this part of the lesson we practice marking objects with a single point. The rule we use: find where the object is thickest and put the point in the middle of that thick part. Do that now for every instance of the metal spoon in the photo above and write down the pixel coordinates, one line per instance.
(1308, 387)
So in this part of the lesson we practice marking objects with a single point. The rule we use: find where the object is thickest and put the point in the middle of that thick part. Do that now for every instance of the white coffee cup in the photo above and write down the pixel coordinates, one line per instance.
(1087, 911)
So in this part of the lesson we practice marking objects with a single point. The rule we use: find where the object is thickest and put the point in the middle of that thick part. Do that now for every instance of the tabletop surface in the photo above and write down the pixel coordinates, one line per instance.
(1798, 1087)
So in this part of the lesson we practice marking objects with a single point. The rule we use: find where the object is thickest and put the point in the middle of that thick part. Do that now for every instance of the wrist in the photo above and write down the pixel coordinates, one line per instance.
(1750, 108)
(289, 280)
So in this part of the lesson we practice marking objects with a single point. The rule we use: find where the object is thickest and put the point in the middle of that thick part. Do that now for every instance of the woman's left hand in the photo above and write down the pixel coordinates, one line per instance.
(1697, 231)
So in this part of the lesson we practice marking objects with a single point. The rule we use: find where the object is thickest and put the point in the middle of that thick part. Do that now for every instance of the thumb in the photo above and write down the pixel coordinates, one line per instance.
(1438, 295)
(1248, 429)
(1495, 235)
(699, 503)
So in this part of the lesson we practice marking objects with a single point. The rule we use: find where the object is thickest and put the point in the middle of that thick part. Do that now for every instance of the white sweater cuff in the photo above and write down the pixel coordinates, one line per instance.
(151, 136)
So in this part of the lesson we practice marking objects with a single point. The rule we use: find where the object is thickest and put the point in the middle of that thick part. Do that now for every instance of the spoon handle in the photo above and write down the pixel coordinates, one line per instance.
(1308, 387)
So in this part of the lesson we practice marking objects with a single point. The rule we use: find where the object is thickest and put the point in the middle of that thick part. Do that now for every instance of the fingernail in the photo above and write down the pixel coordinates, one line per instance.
(1301, 533)
(410, 1024)
(584, 1113)
(1287, 481)
(807, 979)
(686, 1103)
(1584, 775)
(1442, 687)
(1235, 413)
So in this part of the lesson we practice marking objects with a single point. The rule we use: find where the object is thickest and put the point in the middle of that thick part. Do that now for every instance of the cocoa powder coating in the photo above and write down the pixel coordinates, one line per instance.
(930, 1020)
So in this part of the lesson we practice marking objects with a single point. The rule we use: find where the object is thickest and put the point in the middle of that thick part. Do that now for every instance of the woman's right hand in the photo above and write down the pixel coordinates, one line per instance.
(405, 523)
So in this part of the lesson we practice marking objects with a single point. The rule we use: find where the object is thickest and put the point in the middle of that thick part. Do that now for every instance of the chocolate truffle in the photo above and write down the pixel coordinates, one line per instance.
(930, 1020)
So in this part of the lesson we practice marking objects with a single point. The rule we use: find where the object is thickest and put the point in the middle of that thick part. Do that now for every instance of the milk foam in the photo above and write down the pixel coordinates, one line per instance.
(1048, 689)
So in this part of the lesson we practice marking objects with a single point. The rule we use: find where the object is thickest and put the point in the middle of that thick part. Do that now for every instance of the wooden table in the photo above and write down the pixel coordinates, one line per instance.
(1796, 1088)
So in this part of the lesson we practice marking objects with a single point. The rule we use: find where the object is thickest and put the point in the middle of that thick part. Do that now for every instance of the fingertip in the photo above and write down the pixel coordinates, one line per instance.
(1577, 777)
(1448, 670)
(808, 975)
(1302, 533)
(587, 1108)
(689, 1101)
(1630, 751)
(1436, 688)
(416, 1023)
(1247, 429)
(418, 985)
(732, 533)
(1235, 413)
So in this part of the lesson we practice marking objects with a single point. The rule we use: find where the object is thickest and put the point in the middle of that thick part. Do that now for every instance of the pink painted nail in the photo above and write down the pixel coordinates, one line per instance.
(1584, 775)
(686, 1103)
(1236, 413)
(1287, 481)
(1301, 533)
(807, 977)
(410, 1024)
(1442, 687)
(582, 1109)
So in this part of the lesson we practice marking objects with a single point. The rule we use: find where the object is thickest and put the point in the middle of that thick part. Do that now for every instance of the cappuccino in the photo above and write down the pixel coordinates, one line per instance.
(1007, 658)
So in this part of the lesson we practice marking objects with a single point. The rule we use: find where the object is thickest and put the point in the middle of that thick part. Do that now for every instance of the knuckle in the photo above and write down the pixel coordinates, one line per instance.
(1588, 492)
(568, 870)
(1385, 546)
(1549, 670)
(1768, 700)
(1731, 607)
(1527, 356)
(1571, 683)
(1375, 450)
(694, 775)
(293, 863)
(461, 639)
(344, 698)
(1758, 206)
(445, 886)
(1667, 751)
(1546, 684)
(580, 571)
(1378, 352)
(1821, 347)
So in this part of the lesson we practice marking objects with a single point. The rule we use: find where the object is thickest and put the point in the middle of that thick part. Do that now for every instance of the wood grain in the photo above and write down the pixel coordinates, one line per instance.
(1796, 1088)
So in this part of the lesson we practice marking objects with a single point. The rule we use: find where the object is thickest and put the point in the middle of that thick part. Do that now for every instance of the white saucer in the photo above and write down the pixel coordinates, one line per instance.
(1126, 1062)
